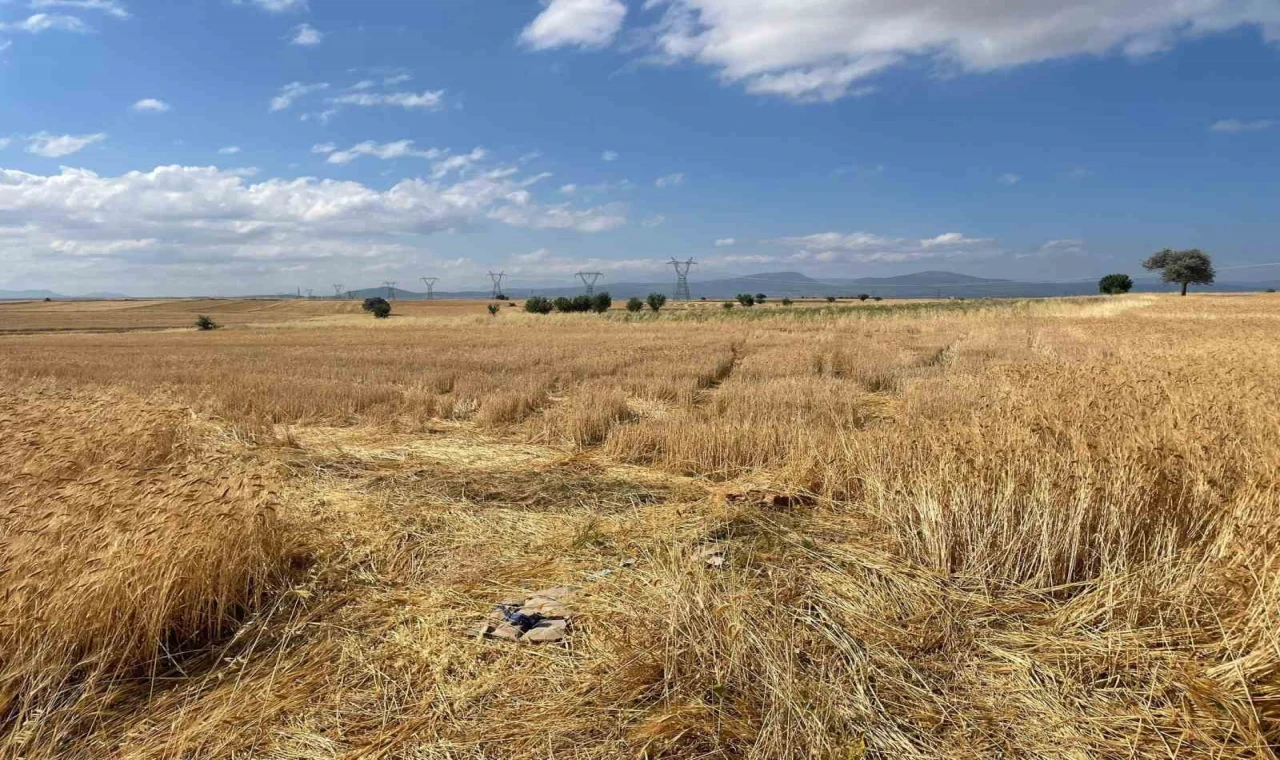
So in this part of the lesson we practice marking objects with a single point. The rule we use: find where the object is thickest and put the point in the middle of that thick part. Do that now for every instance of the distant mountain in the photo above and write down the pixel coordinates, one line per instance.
(40, 295)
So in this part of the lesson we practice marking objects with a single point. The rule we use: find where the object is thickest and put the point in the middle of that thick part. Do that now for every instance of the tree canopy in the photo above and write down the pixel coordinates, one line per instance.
(1114, 284)
(1190, 267)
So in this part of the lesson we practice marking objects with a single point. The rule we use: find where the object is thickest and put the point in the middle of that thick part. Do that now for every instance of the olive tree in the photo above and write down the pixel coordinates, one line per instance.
(1190, 267)
(1114, 284)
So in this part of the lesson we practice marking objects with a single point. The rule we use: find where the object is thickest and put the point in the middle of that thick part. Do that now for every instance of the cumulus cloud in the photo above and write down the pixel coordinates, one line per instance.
(868, 247)
(43, 22)
(725, 242)
(1236, 125)
(670, 180)
(306, 35)
(291, 92)
(430, 100)
(185, 217)
(151, 105)
(110, 7)
(575, 23)
(831, 48)
(57, 146)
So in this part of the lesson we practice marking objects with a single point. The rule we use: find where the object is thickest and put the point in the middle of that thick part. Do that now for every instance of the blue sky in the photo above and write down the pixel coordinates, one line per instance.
(223, 147)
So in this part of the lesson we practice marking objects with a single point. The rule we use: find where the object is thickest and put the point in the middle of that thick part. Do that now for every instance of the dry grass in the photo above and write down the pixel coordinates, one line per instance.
(1036, 530)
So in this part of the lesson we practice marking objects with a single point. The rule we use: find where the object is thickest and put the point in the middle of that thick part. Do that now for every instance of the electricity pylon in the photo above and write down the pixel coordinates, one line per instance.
(430, 282)
(391, 289)
(682, 279)
(337, 292)
(590, 279)
(497, 282)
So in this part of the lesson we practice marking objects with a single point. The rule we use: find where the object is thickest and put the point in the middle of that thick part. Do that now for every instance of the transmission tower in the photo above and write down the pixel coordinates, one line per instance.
(682, 279)
(391, 289)
(309, 292)
(590, 279)
(497, 282)
(337, 292)
(430, 282)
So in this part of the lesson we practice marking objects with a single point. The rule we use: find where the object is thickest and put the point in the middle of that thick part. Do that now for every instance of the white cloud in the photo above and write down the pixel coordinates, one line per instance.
(431, 100)
(277, 6)
(5, 45)
(670, 180)
(294, 90)
(57, 146)
(866, 247)
(207, 221)
(543, 263)
(152, 105)
(1055, 248)
(43, 22)
(385, 151)
(657, 220)
(1236, 125)
(306, 35)
(575, 23)
(609, 155)
(828, 49)
(1009, 178)
(726, 242)
(566, 189)
(363, 84)
(463, 163)
(392, 81)
(229, 150)
(110, 7)
(320, 116)
(4, 142)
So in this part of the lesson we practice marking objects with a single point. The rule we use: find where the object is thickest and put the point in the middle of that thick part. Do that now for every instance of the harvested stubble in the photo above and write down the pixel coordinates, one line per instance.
(1042, 530)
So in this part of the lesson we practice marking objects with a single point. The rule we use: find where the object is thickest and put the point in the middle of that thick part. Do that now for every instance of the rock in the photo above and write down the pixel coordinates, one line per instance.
(629, 562)
(547, 631)
(507, 632)
(561, 593)
(548, 608)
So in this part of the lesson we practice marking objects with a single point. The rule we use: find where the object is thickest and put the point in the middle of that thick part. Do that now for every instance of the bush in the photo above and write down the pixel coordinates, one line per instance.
(378, 306)
(1114, 284)
(1271, 290)
(538, 305)
(656, 301)
(727, 305)
(493, 309)
(877, 298)
(760, 297)
(503, 297)
(634, 304)
(787, 302)
(746, 299)
(205, 323)
(863, 296)
(601, 302)
(831, 299)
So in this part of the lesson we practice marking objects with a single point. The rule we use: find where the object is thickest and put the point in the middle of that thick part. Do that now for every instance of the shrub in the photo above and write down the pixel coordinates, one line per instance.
(581, 303)
(831, 299)
(502, 297)
(760, 297)
(656, 301)
(205, 323)
(863, 296)
(746, 299)
(493, 309)
(877, 298)
(1114, 284)
(601, 302)
(378, 306)
(634, 304)
(787, 302)
(727, 305)
(563, 305)
(538, 305)
(1271, 290)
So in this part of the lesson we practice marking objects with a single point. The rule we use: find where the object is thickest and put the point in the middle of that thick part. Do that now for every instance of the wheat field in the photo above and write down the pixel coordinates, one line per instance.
(1023, 529)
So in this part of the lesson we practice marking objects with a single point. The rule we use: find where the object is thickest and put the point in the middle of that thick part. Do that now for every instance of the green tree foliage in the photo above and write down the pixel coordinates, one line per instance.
(563, 305)
(727, 305)
(634, 304)
(831, 299)
(538, 305)
(205, 323)
(493, 309)
(1114, 284)
(863, 296)
(1190, 267)
(746, 299)
(656, 301)
(601, 302)
(787, 302)
(760, 297)
(377, 306)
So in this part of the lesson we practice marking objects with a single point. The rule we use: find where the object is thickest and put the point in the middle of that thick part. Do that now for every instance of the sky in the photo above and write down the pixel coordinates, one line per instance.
(235, 147)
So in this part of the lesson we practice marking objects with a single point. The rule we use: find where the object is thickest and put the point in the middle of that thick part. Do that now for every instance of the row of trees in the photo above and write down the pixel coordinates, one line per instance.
(1189, 267)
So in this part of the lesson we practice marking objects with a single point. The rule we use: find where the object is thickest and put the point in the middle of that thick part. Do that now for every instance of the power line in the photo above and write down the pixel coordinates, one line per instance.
(590, 279)
(682, 279)
(430, 282)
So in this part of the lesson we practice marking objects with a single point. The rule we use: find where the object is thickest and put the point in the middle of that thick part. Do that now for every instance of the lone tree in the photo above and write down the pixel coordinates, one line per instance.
(656, 301)
(746, 299)
(377, 306)
(205, 323)
(634, 304)
(1192, 267)
(1114, 284)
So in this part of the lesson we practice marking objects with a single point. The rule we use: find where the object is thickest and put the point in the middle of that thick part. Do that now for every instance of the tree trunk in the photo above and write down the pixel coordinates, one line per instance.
(1184, 288)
